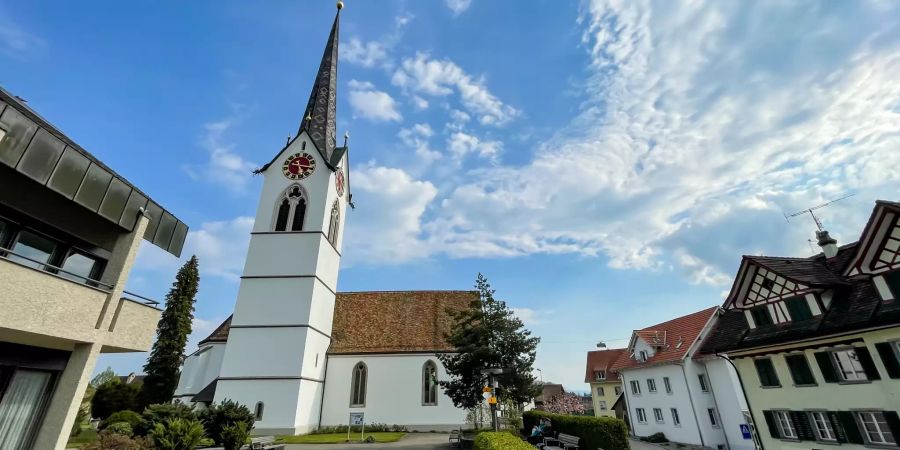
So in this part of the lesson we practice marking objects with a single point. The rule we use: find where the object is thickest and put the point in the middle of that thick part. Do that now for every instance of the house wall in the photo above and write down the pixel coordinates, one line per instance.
(394, 394)
(609, 396)
(881, 394)
(200, 369)
(730, 401)
(680, 398)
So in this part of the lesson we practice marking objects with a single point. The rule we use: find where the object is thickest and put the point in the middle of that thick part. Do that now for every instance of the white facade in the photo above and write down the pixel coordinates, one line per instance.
(199, 369)
(394, 394)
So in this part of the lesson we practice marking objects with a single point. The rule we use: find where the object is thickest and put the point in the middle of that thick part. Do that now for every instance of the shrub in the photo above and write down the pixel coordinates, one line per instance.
(160, 413)
(114, 396)
(657, 438)
(130, 417)
(217, 417)
(373, 428)
(235, 435)
(177, 434)
(120, 428)
(500, 441)
(608, 433)
(110, 441)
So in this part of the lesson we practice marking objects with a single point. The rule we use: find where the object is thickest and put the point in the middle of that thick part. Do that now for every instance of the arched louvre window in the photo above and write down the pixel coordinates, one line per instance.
(291, 209)
(429, 384)
(358, 385)
(334, 224)
(259, 411)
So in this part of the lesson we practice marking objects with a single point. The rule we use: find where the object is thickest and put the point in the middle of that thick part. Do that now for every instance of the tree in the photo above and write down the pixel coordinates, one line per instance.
(114, 396)
(488, 334)
(162, 367)
(565, 403)
(103, 377)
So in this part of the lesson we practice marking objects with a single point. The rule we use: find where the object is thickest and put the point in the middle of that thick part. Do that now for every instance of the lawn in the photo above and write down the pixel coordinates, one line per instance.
(86, 436)
(337, 438)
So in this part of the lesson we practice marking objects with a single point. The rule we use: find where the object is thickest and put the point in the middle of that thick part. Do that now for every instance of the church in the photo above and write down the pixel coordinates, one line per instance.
(298, 353)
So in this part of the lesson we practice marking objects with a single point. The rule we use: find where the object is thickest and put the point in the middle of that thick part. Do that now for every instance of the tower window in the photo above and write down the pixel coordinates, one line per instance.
(291, 209)
(429, 384)
(334, 224)
(259, 411)
(358, 385)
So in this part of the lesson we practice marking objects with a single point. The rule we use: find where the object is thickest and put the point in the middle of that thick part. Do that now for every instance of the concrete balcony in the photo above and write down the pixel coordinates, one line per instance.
(45, 308)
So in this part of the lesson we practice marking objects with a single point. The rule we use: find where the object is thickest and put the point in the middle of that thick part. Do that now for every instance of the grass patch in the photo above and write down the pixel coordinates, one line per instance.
(338, 438)
(86, 436)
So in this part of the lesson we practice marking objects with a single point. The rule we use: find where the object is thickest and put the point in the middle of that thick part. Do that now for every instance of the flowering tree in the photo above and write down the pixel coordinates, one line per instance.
(565, 404)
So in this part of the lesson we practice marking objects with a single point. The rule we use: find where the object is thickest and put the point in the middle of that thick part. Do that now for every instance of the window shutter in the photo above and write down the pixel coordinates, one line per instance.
(836, 425)
(851, 429)
(893, 422)
(828, 373)
(803, 426)
(865, 359)
(889, 359)
(770, 422)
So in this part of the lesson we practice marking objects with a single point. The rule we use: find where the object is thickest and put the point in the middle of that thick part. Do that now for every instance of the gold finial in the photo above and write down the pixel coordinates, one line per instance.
(308, 116)
(340, 5)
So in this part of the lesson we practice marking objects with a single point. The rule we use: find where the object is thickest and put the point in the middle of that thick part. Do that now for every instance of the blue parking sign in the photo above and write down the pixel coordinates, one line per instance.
(745, 430)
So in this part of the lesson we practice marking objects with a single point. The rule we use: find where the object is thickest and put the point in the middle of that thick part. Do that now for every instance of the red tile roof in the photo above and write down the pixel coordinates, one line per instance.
(598, 360)
(685, 329)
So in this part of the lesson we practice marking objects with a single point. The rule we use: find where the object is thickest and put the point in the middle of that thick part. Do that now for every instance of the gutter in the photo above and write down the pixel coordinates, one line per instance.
(324, 378)
(755, 430)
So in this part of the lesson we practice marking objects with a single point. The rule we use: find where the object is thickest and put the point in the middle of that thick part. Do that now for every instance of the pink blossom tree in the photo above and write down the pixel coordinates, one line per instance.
(565, 403)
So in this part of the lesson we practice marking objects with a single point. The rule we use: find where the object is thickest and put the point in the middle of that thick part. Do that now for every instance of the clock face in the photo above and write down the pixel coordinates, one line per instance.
(299, 166)
(339, 182)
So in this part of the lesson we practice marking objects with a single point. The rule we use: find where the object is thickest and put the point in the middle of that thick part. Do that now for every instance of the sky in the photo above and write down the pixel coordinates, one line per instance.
(604, 164)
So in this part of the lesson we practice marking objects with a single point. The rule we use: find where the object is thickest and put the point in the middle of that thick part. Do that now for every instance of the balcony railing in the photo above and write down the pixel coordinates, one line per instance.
(73, 277)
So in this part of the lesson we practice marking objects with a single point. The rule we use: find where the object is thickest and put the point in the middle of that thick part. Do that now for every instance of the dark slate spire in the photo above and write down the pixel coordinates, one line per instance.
(319, 119)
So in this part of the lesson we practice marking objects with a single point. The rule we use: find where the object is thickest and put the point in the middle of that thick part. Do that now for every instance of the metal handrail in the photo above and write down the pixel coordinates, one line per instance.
(5, 251)
(147, 301)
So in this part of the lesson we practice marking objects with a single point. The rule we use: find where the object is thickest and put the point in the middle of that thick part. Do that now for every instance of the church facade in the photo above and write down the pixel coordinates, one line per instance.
(297, 352)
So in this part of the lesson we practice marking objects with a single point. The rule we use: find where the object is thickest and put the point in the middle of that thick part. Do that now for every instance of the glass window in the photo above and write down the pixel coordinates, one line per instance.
(22, 405)
(281, 219)
(429, 384)
(618, 390)
(37, 249)
(642, 356)
(798, 308)
(822, 425)
(642, 416)
(876, 427)
(334, 224)
(761, 316)
(602, 405)
(259, 411)
(81, 266)
(291, 209)
(766, 372)
(600, 391)
(675, 419)
(358, 385)
(848, 365)
(713, 417)
(785, 426)
(635, 387)
(668, 385)
(601, 375)
(658, 415)
(800, 371)
(651, 385)
(703, 386)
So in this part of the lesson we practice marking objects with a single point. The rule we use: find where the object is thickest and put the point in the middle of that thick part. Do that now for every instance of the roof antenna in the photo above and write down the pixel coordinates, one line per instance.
(788, 217)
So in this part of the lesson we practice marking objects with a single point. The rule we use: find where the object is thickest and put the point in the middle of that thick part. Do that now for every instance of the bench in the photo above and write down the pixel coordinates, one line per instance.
(454, 438)
(265, 443)
(562, 441)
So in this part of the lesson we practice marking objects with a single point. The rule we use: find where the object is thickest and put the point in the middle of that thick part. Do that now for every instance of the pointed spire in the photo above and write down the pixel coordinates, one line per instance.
(319, 119)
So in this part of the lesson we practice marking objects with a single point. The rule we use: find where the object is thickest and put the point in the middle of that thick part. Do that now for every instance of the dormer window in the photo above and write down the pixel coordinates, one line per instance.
(761, 316)
(642, 356)
(893, 283)
(601, 375)
(768, 284)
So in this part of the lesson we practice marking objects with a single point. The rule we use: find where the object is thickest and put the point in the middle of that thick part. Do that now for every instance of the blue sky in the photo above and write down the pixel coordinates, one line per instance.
(605, 164)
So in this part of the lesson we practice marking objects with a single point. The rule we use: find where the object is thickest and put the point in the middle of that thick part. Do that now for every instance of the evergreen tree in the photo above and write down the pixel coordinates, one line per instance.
(488, 334)
(162, 367)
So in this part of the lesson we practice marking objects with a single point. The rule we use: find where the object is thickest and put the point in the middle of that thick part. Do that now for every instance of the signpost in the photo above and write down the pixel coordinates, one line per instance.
(357, 418)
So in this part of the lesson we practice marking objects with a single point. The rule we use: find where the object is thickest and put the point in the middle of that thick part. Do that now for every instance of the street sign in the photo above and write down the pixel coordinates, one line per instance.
(486, 389)
(357, 418)
(492, 400)
(745, 431)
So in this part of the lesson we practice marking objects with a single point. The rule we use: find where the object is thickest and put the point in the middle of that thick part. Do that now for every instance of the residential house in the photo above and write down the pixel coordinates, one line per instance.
(70, 228)
(548, 391)
(668, 391)
(816, 340)
(605, 384)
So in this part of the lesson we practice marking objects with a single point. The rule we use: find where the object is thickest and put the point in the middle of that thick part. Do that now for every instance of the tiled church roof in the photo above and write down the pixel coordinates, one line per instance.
(386, 322)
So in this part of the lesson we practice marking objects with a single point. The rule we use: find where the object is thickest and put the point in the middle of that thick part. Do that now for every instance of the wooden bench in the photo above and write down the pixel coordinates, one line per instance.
(562, 441)
(265, 443)
(455, 437)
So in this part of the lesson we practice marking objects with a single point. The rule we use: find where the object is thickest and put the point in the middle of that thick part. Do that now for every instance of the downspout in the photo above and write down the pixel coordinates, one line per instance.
(746, 399)
(324, 377)
(715, 402)
(693, 409)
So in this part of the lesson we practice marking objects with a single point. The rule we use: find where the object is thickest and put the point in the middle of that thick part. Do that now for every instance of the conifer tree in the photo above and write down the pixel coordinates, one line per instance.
(488, 334)
(163, 366)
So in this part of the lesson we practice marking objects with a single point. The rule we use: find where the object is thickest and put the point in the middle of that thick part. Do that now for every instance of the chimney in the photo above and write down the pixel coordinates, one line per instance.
(828, 244)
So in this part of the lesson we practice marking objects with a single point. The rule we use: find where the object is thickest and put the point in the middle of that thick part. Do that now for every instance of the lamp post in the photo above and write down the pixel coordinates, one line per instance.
(541, 373)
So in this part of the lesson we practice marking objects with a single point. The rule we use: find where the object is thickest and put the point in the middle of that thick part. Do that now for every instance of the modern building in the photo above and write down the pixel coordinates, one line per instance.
(70, 228)
(671, 388)
(816, 340)
(606, 388)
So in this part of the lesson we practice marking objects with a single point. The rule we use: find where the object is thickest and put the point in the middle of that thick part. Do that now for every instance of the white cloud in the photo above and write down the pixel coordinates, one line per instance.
(15, 41)
(420, 103)
(426, 76)
(372, 104)
(461, 144)
(366, 54)
(418, 138)
(224, 166)
(458, 6)
(530, 317)
(458, 120)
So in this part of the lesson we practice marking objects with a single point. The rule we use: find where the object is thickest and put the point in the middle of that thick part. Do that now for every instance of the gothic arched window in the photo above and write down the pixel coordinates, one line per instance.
(358, 385)
(334, 224)
(259, 411)
(291, 209)
(429, 384)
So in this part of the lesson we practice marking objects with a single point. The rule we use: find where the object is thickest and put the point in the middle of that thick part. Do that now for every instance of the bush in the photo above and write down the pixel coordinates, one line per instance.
(110, 441)
(177, 434)
(130, 417)
(608, 433)
(120, 428)
(500, 441)
(160, 413)
(114, 396)
(373, 428)
(235, 435)
(657, 438)
(217, 417)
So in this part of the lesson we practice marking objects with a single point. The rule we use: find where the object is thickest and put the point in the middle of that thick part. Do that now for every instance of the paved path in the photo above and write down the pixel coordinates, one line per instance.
(425, 441)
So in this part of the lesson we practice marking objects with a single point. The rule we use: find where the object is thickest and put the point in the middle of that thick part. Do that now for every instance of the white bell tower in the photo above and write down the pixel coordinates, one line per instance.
(274, 361)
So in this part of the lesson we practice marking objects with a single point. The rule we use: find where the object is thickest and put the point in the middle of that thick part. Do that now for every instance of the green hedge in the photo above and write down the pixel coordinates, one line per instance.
(607, 433)
(502, 440)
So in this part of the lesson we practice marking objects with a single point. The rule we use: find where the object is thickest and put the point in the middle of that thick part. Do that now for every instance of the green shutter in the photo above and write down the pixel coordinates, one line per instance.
(770, 422)
(798, 308)
(803, 426)
(889, 358)
(800, 370)
(865, 359)
(827, 368)
(851, 429)
(766, 372)
(893, 422)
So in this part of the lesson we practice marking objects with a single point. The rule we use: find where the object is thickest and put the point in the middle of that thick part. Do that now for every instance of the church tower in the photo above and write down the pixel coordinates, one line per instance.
(281, 329)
